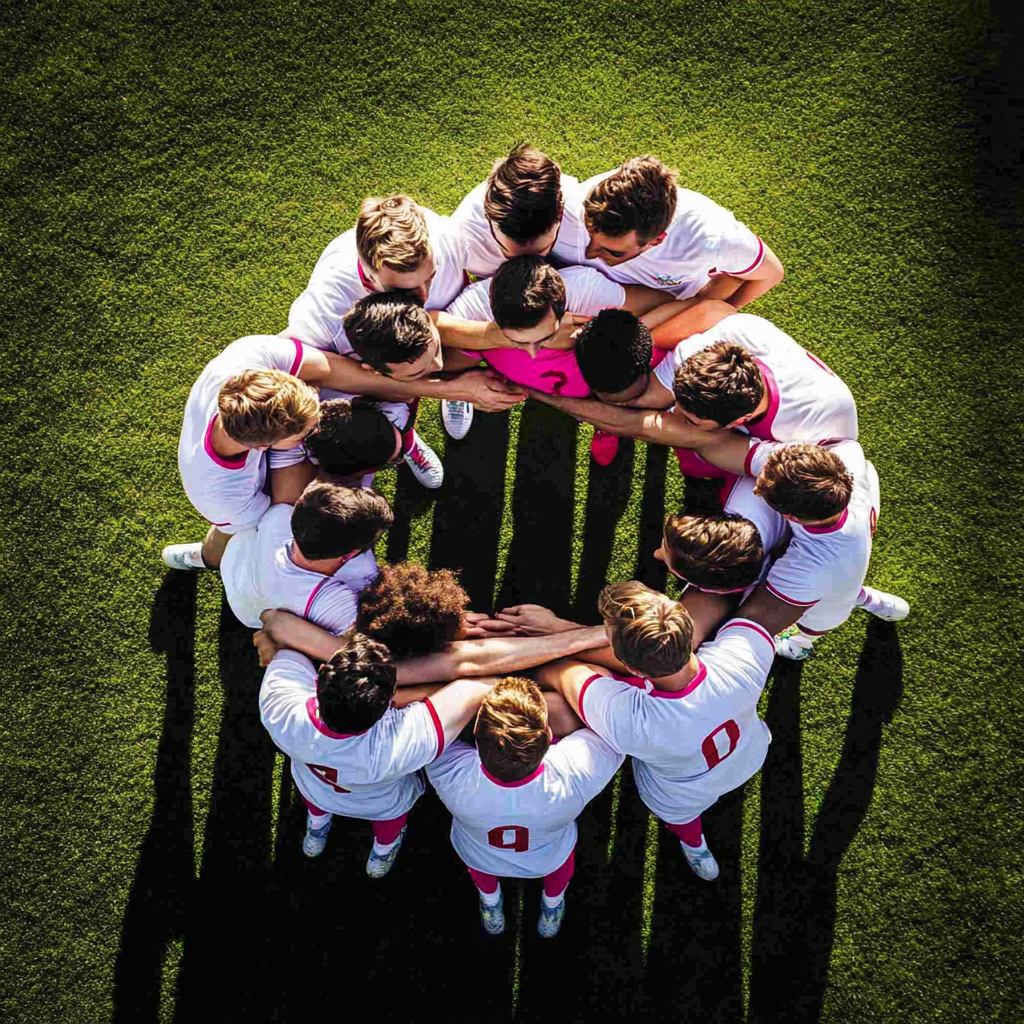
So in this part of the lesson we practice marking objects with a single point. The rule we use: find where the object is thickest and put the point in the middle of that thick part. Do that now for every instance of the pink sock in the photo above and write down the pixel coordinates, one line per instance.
(691, 832)
(386, 832)
(555, 883)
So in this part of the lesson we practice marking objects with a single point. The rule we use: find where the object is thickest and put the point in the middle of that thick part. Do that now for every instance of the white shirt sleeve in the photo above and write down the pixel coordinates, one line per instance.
(473, 303)
(589, 760)
(277, 459)
(417, 738)
(332, 606)
(745, 650)
(739, 250)
(288, 683)
(279, 353)
(613, 710)
(444, 772)
(588, 291)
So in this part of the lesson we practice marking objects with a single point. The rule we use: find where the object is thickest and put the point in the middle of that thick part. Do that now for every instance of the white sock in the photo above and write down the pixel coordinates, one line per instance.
(870, 599)
(552, 901)
(194, 555)
(490, 899)
(317, 821)
(801, 639)
(383, 851)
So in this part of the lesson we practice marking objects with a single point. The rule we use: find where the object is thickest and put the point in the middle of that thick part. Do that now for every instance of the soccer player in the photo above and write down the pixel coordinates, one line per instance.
(689, 723)
(638, 227)
(830, 495)
(353, 753)
(255, 395)
(514, 799)
(312, 559)
(352, 441)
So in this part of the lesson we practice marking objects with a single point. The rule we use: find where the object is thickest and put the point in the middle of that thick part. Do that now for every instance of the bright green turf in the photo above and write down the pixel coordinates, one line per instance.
(169, 181)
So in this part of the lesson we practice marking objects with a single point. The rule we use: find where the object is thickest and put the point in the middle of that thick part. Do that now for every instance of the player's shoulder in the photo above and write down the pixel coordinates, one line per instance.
(290, 667)
(738, 641)
(472, 206)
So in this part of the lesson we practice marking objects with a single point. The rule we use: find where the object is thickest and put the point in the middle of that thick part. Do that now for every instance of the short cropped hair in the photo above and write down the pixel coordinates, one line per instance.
(613, 350)
(523, 289)
(392, 233)
(351, 438)
(329, 521)
(640, 196)
(259, 407)
(649, 631)
(355, 687)
(806, 482)
(388, 327)
(714, 552)
(511, 729)
(523, 197)
(412, 610)
(721, 382)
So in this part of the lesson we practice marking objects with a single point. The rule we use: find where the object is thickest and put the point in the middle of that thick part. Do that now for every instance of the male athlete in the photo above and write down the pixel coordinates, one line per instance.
(514, 799)
(689, 723)
(637, 226)
(312, 559)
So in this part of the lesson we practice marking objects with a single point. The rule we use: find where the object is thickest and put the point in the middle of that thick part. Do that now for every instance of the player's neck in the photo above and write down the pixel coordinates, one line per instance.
(222, 444)
(324, 566)
(820, 523)
(679, 680)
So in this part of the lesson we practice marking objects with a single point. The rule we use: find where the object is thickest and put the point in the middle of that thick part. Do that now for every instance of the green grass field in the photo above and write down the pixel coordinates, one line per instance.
(170, 175)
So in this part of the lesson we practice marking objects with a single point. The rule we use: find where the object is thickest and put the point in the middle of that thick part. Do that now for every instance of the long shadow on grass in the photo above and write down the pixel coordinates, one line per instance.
(794, 918)
(162, 887)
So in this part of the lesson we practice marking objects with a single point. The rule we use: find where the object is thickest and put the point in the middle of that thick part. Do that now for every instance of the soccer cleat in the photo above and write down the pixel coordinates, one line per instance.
(457, 417)
(701, 860)
(184, 556)
(885, 606)
(424, 463)
(315, 839)
(379, 864)
(603, 447)
(493, 918)
(793, 644)
(550, 919)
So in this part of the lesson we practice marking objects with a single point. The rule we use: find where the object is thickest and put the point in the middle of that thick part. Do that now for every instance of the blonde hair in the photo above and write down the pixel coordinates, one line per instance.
(650, 632)
(392, 233)
(511, 729)
(259, 407)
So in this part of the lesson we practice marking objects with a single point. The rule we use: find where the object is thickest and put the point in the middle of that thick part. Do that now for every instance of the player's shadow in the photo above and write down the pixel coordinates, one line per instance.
(794, 917)
(162, 888)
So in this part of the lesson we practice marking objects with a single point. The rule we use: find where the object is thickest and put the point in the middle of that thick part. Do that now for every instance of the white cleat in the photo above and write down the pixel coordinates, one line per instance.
(184, 556)
(457, 417)
(701, 860)
(885, 606)
(424, 463)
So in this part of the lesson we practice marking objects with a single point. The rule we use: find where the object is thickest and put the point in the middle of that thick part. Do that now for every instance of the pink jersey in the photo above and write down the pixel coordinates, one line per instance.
(228, 492)
(522, 829)
(338, 283)
(259, 573)
(806, 400)
(824, 567)
(703, 241)
(368, 774)
(694, 745)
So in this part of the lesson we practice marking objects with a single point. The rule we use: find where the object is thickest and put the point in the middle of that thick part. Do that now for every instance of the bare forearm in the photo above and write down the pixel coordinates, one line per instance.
(287, 630)
(769, 274)
(288, 482)
(640, 299)
(614, 419)
(470, 334)
(764, 608)
(727, 450)
(699, 316)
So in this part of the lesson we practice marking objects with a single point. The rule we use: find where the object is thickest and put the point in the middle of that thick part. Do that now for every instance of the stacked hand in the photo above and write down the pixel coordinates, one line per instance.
(534, 620)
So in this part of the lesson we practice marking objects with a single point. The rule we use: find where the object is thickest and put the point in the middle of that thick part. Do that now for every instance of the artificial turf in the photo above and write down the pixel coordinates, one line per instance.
(170, 175)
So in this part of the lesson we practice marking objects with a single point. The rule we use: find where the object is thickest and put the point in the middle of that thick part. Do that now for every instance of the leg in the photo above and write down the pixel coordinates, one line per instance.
(206, 555)
(213, 547)
(418, 455)
(883, 605)
(387, 841)
(552, 901)
(492, 914)
(318, 824)
(691, 839)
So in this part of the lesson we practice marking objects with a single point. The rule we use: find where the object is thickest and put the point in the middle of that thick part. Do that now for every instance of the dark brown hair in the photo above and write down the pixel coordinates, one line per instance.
(523, 197)
(388, 327)
(805, 481)
(329, 521)
(352, 438)
(355, 687)
(640, 196)
(714, 552)
(511, 729)
(613, 351)
(721, 383)
(523, 289)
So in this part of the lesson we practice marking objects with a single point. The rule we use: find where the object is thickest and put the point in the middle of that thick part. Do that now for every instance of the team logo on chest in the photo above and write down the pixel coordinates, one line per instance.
(667, 279)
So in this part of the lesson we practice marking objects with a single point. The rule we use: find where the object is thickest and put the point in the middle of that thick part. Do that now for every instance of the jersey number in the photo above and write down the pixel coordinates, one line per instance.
(328, 776)
(520, 838)
(560, 380)
(710, 749)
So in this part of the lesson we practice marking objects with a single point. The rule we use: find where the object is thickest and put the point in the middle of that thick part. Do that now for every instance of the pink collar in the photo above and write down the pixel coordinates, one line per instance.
(837, 525)
(231, 462)
(313, 710)
(363, 279)
(686, 690)
(512, 785)
(762, 426)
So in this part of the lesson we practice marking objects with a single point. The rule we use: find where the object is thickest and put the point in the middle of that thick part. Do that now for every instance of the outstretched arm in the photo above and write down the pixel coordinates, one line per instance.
(767, 276)
(767, 610)
(457, 703)
(567, 677)
(669, 324)
(726, 449)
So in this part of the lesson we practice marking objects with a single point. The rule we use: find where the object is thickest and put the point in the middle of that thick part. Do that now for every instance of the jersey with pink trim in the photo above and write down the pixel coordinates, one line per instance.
(259, 573)
(806, 400)
(824, 567)
(703, 241)
(362, 775)
(228, 491)
(522, 829)
(338, 283)
(552, 370)
(772, 527)
(691, 746)
(483, 254)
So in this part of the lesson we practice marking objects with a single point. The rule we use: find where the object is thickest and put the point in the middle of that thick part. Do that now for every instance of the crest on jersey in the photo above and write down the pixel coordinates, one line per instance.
(667, 279)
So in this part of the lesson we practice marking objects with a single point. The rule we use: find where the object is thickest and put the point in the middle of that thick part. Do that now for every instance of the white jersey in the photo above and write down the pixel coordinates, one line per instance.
(773, 528)
(587, 292)
(806, 400)
(228, 492)
(703, 241)
(259, 573)
(694, 745)
(824, 567)
(523, 829)
(369, 774)
(338, 283)
(483, 254)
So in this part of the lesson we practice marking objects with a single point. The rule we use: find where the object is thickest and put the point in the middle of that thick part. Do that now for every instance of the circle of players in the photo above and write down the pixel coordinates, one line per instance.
(616, 300)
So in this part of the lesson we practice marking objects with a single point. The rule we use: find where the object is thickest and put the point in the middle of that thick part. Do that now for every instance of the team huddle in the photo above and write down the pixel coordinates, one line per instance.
(616, 300)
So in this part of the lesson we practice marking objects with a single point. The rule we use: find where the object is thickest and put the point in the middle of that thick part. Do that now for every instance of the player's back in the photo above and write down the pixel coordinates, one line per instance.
(527, 828)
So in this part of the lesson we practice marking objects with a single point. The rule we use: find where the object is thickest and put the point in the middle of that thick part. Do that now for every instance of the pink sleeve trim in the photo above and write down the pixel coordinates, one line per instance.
(790, 600)
(750, 458)
(753, 266)
(583, 692)
(747, 624)
(236, 462)
(297, 361)
(312, 597)
(438, 728)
